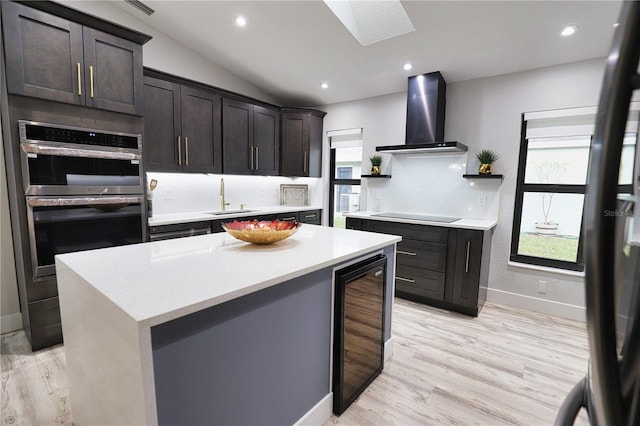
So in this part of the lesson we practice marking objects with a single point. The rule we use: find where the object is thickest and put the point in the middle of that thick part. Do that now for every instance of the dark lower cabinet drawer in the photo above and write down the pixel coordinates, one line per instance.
(46, 327)
(312, 217)
(422, 254)
(420, 282)
(414, 232)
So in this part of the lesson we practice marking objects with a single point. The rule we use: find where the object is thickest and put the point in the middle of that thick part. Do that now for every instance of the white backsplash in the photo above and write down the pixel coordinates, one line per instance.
(193, 192)
(432, 184)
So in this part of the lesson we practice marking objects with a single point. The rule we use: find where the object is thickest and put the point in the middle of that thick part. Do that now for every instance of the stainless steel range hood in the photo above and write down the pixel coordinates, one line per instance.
(426, 99)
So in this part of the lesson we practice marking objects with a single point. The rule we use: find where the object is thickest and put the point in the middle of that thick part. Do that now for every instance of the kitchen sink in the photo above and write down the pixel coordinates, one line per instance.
(231, 211)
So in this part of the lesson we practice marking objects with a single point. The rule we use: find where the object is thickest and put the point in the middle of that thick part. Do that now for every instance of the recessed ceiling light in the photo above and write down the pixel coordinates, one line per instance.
(407, 66)
(324, 85)
(569, 30)
(241, 21)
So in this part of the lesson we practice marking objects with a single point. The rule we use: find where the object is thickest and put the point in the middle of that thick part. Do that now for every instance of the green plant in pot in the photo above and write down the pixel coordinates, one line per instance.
(376, 162)
(486, 157)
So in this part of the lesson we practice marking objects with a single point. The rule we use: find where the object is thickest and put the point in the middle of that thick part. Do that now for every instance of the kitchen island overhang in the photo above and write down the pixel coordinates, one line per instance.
(143, 322)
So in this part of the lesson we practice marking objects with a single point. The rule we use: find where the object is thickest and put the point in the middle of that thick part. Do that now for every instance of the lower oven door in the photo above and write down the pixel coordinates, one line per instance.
(66, 224)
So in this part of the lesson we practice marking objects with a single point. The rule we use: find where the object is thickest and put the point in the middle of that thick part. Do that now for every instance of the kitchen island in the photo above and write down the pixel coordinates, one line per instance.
(208, 329)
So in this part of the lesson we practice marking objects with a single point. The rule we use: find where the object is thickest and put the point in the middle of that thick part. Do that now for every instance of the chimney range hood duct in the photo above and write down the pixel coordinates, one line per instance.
(426, 98)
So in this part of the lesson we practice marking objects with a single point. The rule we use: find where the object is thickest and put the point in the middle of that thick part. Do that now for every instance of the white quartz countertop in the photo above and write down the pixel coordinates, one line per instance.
(159, 281)
(481, 225)
(186, 217)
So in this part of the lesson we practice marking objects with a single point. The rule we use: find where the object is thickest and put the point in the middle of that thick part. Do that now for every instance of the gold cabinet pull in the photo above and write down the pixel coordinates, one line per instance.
(91, 79)
(406, 253)
(304, 165)
(466, 266)
(186, 151)
(179, 151)
(79, 79)
(408, 280)
(257, 159)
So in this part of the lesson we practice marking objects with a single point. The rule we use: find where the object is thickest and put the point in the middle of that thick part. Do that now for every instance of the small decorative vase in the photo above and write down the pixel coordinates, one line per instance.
(485, 169)
(375, 170)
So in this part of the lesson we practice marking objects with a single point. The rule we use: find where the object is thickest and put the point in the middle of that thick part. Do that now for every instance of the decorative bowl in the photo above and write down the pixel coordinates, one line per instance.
(261, 232)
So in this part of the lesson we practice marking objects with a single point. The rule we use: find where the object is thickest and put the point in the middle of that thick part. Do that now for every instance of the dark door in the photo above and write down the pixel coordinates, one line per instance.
(113, 72)
(294, 149)
(237, 134)
(467, 270)
(44, 54)
(162, 125)
(201, 130)
(266, 141)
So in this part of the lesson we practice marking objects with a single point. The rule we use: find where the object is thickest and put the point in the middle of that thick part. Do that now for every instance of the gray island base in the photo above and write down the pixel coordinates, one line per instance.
(207, 329)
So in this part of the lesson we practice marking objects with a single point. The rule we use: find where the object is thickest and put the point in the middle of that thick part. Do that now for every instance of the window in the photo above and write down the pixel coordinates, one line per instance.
(346, 159)
(551, 186)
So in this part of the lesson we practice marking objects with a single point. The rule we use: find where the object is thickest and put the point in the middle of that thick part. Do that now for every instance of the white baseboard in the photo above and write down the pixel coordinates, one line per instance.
(388, 349)
(550, 307)
(319, 414)
(11, 322)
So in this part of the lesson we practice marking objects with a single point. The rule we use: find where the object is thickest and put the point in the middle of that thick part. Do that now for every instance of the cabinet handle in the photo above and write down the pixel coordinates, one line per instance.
(251, 158)
(409, 280)
(179, 151)
(304, 165)
(257, 159)
(287, 218)
(308, 216)
(186, 151)
(466, 266)
(91, 79)
(79, 79)
(406, 253)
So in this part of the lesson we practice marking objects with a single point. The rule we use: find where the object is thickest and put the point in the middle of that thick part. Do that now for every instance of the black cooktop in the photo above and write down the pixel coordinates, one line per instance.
(412, 216)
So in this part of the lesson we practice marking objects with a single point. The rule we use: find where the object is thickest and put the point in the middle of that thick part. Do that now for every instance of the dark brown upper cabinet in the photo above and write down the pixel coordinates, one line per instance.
(250, 138)
(54, 58)
(301, 143)
(182, 127)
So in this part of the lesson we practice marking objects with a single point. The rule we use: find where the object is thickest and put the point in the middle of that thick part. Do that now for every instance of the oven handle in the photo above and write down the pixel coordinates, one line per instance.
(82, 201)
(75, 152)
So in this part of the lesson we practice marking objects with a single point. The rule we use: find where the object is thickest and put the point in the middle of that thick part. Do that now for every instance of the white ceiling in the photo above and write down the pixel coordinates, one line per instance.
(288, 48)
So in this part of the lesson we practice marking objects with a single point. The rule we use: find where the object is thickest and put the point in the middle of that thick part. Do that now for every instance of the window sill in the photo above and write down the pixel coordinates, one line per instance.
(545, 269)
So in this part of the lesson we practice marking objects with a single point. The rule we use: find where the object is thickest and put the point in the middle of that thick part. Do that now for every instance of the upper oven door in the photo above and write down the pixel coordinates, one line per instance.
(65, 160)
(56, 170)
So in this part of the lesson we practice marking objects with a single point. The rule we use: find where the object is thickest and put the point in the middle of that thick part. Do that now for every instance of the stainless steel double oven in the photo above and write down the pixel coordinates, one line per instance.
(83, 190)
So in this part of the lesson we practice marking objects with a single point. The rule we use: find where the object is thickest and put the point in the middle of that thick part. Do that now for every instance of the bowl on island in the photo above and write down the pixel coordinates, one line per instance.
(261, 232)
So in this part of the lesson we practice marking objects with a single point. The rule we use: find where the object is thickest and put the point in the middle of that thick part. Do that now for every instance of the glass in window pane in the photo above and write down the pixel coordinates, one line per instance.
(346, 200)
(558, 160)
(550, 225)
(627, 159)
(348, 162)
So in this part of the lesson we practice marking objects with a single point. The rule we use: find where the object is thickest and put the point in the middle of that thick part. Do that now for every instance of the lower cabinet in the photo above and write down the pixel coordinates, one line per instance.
(306, 216)
(439, 266)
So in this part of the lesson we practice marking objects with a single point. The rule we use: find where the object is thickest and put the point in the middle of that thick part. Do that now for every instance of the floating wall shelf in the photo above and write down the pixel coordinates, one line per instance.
(483, 176)
(376, 176)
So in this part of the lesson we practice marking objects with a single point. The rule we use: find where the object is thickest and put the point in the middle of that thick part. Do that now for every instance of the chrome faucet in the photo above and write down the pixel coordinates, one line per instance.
(223, 202)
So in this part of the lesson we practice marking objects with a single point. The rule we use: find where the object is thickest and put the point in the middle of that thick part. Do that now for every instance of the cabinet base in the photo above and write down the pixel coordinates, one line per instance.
(441, 304)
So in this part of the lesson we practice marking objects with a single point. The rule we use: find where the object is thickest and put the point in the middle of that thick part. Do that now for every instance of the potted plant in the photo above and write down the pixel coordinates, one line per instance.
(548, 172)
(376, 162)
(486, 157)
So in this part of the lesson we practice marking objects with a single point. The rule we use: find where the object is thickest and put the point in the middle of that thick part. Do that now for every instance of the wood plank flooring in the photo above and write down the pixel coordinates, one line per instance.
(506, 367)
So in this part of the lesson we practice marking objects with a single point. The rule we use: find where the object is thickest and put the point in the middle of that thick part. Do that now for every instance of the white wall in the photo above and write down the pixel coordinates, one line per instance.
(165, 54)
(486, 113)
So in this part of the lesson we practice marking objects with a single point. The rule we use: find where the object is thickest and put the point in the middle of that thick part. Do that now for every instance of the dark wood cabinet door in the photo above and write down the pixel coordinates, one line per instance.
(468, 261)
(201, 130)
(162, 125)
(294, 149)
(113, 72)
(266, 141)
(237, 137)
(314, 147)
(44, 54)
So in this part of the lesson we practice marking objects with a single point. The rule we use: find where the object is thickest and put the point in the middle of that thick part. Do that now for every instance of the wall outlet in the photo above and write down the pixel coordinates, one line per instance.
(542, 287)
(482, 200)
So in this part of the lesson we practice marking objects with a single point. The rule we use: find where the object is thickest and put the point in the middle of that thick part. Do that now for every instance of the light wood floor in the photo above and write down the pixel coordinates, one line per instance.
(507, 366)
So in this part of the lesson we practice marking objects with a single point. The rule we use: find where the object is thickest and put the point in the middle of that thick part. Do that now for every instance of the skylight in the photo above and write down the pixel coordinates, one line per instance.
(372, 21)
